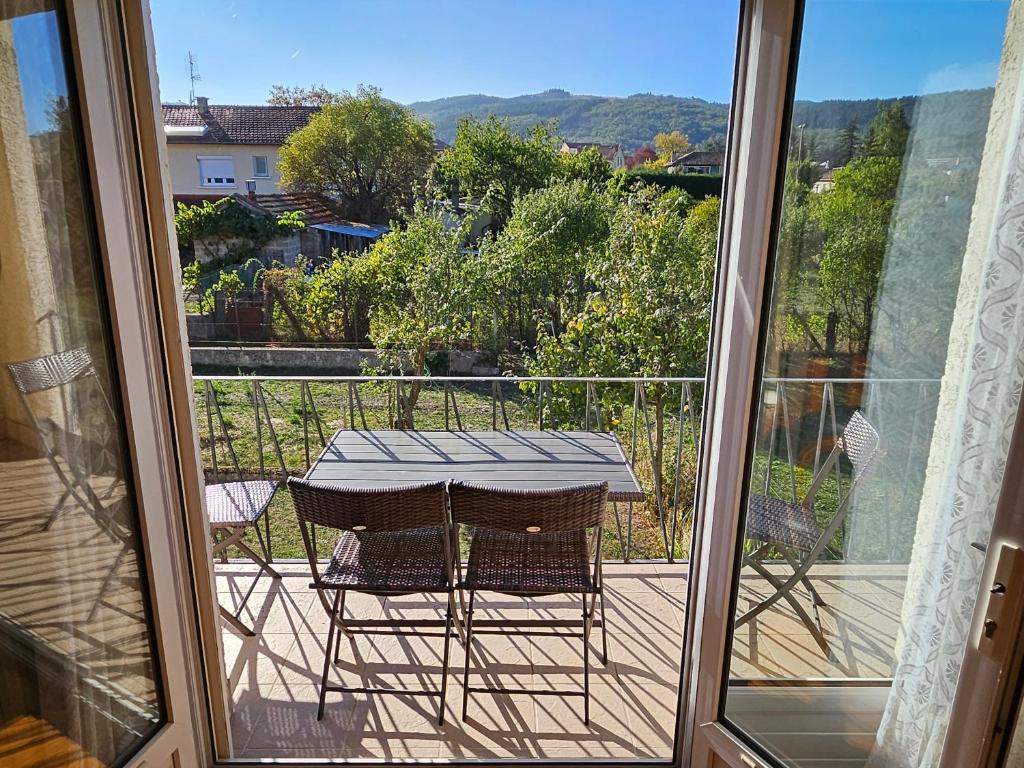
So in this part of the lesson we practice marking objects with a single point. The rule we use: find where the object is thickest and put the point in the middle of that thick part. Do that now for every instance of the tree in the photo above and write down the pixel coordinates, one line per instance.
(713, 143)
(297, 96)
(888, 133)
(489, 161)
(650, 311)
(642, 156)
(537, 265)
(849, 143)
(363, 151)
(588, 165)
(672, 144)
(854, 219)
(424, 288)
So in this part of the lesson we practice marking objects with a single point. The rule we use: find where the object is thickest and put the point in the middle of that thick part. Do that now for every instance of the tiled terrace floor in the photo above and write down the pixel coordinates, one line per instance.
(272, 677)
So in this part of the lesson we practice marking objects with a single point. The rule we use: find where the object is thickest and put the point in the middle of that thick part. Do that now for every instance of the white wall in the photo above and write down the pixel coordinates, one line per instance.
(184, 167)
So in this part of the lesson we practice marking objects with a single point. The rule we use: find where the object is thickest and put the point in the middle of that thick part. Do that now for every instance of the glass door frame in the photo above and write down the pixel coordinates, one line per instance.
(99, 61)
(763, 95)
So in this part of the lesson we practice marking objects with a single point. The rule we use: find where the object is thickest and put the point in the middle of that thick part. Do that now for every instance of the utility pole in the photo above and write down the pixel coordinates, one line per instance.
(193, 76)
(800, 147)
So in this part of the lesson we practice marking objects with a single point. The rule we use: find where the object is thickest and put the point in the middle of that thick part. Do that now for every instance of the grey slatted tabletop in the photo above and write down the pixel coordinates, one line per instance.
(549, 459)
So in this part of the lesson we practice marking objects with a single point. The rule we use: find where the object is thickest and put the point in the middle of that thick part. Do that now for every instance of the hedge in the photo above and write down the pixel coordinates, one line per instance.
(698, 185)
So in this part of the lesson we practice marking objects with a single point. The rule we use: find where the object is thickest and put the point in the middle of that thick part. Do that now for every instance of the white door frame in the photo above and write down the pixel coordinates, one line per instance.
(766, 69)
(752, 181)
(98, 60)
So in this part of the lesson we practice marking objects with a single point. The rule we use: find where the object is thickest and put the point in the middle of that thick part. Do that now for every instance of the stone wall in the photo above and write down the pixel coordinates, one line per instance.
(317, 360)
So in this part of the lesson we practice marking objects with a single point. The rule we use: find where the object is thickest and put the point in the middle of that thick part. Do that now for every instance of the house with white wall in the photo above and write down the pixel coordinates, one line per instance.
(213, 149)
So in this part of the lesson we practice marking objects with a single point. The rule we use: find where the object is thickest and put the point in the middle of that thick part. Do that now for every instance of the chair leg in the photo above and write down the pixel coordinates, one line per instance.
(327, 656)
(263, 564)
(604, 629)
(444, 662)
(784, 593)
(56, 511)
(586, 663)
(469, 651)
(341, 621)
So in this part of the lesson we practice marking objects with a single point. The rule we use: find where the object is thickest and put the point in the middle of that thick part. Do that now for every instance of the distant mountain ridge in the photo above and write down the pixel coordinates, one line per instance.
(634, 120)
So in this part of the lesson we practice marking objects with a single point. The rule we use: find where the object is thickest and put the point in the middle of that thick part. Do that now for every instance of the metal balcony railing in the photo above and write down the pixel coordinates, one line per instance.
(275, 426)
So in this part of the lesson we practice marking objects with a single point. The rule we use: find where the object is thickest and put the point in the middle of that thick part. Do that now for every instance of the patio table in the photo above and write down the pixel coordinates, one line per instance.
(509, 459)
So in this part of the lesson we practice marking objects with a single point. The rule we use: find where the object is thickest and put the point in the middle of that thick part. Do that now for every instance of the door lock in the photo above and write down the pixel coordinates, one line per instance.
(1003, 602)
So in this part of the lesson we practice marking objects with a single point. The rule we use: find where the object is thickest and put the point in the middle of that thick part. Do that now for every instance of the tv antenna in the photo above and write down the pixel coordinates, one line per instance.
(193, 76)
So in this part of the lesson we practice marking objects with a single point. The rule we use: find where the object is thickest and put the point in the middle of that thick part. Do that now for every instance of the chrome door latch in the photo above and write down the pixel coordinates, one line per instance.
(1005, 601)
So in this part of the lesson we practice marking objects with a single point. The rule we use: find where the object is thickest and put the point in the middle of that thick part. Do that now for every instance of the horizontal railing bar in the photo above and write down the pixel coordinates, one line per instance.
(517, 379)
(411, 377)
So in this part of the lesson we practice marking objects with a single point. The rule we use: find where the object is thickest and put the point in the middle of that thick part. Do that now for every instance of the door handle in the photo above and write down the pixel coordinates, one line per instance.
(1004, 604)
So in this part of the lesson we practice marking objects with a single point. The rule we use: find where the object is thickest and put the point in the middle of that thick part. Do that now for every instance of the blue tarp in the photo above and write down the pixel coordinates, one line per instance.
(358, 230)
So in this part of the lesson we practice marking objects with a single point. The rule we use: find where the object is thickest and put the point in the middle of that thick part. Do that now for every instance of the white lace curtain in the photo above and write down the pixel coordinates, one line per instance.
(981, 394)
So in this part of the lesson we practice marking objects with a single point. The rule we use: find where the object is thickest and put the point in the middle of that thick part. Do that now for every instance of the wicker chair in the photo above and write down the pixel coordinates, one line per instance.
(533, 543)
(792, 528)
(394, 541)
(234, 508)
(78, 460)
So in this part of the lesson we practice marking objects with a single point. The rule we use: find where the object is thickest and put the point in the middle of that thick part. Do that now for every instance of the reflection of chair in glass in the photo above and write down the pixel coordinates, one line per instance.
(534, 543)
(394, 541)
(792, 529)
(234, 508)
(79, 447)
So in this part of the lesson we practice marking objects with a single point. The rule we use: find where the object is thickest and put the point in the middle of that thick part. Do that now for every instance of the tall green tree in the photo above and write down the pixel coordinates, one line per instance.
(854, 218)
(849, 143)
(888, 133)
(650, 310)
(537, 265)
(424, 292)
(490, 161)
(363, 151)
(588, 165)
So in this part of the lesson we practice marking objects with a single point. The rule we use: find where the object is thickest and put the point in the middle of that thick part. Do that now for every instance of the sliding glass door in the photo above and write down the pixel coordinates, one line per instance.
(84, 664)
(885, 391)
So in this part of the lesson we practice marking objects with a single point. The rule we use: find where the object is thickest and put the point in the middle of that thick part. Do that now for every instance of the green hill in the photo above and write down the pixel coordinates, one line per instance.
(634, 120)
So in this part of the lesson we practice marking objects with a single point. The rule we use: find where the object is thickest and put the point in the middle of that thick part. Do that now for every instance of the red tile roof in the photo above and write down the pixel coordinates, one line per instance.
(236, 124)
(318, 210)
(608, 151)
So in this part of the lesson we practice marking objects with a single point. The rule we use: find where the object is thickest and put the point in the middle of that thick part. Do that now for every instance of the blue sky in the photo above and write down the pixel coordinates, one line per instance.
(37, 47)
(424, 49)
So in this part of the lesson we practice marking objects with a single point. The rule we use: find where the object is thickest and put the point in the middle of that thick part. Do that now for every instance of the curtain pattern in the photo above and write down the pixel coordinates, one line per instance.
(945, 568)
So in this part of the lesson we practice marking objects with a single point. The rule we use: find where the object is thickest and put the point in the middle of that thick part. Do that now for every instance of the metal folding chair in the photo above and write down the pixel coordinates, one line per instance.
(234, 508)
(533, 543)
(393, 541)
(76, 456)
(792, 529)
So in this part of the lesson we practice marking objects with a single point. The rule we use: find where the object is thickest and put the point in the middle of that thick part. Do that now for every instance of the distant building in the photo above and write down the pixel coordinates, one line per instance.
(322, 232)
(709, 163)
(213, 149)
(824, 182)
(610, 152)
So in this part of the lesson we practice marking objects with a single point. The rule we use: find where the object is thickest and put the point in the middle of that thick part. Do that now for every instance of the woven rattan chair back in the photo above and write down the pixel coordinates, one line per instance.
(67, 372)
(860, 444)
(50, 371)
(530, 511)
(373, 510)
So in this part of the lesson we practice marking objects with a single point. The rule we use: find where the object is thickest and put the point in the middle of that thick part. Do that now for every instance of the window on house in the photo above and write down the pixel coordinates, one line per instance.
(260, 166)
(216, 172)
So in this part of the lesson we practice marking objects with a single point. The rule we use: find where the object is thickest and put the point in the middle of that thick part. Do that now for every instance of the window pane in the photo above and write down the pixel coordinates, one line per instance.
(77, 666)
(890, 383)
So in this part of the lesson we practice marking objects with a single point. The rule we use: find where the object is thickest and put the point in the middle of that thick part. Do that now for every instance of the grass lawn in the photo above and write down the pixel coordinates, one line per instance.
(297, 434)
